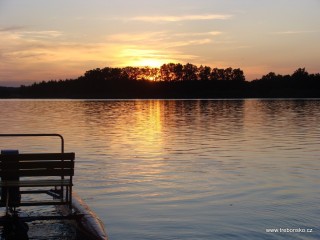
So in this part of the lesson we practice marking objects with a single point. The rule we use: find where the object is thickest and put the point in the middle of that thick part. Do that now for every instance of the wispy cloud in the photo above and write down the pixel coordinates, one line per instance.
(133, 37)
(20, 34)
(150, 53)
(195, 34)
(135, 55)
(163, 37)
(175, 44)
(42, 34)
(49, 50)
(11, 28)
(33, 35)
(161, 46)
(293, 32)
(182, 18)
(35, 52)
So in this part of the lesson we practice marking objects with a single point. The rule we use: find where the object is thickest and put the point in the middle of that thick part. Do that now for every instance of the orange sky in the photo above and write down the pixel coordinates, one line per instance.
(43, 40)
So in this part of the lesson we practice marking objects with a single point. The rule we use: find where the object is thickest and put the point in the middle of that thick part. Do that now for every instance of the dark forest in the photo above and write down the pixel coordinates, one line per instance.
(172, 81)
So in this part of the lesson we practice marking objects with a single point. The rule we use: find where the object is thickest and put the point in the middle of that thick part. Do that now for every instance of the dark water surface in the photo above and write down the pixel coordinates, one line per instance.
(196, 169)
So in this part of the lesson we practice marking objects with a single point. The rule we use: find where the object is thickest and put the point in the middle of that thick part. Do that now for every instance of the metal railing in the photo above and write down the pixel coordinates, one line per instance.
(37, 135)
(42, 135)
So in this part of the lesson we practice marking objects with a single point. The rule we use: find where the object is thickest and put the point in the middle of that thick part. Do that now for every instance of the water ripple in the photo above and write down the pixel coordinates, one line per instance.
(213, 169)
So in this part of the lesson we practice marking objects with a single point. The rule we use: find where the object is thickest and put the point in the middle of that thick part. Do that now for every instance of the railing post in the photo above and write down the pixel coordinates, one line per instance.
(11, 195)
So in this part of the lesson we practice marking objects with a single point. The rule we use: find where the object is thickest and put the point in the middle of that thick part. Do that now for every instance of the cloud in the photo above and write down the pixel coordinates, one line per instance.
(33, 35)
(42, 34)
(161, 46)
(11, 28)
(137, 55)
(164, 38)
(188, 43)
(17, 43)
(182, 18)
(195, 34)
(293, 32)
(18, 35)
(127, 52)
(135, 37)
(49, 54)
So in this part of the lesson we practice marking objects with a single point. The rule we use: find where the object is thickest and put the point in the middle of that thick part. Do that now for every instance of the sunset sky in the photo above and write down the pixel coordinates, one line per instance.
(44, 40)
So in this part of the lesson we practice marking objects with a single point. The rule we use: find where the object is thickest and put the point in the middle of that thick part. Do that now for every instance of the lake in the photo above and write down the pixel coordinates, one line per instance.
(186, 169)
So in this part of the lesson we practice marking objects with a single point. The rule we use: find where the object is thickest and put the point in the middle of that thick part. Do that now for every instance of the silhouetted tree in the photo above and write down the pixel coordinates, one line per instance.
(238, 75)
(174, 80)
(269, 77)
(214, 75)
(189, 72)
(178, 71)
(131, 72)
(204, 73)
(227, 74)
(300, 74)
(165, 72)
(94, 75)
(171, 72)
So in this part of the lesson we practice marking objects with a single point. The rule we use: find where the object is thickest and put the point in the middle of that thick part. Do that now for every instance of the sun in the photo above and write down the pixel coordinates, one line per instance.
(143, 57)
(148, 62)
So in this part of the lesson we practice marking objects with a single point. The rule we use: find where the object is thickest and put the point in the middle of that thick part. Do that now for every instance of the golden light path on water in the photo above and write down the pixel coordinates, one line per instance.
(185, 169)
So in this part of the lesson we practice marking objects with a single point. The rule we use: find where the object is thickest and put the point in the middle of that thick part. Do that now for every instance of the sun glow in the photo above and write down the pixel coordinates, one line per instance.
(154, 63)
(149, 68)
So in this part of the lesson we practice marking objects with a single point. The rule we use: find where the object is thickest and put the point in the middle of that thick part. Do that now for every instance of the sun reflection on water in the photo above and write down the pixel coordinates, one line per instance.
(219, 166)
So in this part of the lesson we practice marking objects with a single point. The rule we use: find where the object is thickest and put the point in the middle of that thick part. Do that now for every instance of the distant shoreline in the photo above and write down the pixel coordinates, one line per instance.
(243, 93)
(173, 82)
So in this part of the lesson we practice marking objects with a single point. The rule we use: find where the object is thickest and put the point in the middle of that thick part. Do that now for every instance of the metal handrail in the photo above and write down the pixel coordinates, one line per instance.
(43, 135)
(37, 135)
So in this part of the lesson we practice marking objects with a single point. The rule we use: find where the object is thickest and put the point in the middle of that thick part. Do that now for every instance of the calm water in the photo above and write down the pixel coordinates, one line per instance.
(220, 169)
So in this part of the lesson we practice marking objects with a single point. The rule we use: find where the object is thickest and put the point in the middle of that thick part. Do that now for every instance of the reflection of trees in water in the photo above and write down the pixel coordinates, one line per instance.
(141, 135)
(205, 113)
(150, 119)
(201, 112)
(297, 114)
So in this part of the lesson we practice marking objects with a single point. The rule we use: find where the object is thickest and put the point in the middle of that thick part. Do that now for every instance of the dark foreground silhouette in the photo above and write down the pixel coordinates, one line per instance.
(172, 81)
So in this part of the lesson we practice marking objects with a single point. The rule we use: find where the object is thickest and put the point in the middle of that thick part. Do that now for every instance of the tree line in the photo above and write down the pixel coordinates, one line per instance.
(299, 84)
(172, 80)
(167, 72)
